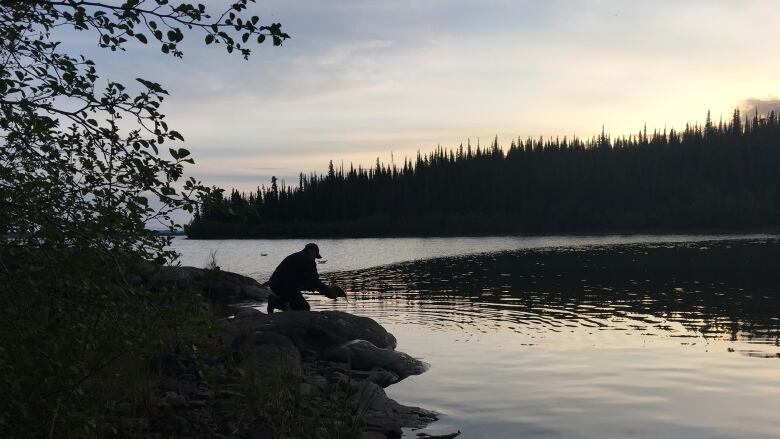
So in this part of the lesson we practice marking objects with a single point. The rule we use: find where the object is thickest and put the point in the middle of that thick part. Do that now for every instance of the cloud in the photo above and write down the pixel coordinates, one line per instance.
(362, 78)
(763, 106)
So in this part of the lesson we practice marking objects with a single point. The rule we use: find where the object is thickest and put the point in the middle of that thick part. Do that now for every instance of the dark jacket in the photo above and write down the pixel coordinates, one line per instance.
(296, 272)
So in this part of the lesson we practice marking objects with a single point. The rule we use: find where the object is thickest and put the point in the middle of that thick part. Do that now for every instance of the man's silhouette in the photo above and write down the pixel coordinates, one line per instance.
(294, 274)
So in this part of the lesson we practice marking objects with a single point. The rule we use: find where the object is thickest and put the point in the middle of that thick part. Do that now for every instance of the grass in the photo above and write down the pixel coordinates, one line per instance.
(274, 395)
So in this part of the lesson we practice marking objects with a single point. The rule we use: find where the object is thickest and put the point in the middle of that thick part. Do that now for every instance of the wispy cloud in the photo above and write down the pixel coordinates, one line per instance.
(362, 78)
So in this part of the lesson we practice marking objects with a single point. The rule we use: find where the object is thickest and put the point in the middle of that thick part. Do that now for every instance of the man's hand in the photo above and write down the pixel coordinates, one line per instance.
(335, 291)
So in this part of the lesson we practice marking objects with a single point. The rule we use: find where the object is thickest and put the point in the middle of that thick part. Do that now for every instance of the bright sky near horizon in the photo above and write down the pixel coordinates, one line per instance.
(361, 79)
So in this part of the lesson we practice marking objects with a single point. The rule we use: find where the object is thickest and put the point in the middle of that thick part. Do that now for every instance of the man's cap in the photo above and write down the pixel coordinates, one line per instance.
(313, 246)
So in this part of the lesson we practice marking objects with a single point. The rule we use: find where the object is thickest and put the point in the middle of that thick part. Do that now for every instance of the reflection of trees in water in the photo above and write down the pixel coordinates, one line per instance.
(725, 289)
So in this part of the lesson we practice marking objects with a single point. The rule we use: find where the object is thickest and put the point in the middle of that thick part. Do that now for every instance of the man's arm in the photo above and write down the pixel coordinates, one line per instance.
(312, 280)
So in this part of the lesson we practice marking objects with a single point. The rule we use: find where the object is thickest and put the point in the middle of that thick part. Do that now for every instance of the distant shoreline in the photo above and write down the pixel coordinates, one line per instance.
(771, 231)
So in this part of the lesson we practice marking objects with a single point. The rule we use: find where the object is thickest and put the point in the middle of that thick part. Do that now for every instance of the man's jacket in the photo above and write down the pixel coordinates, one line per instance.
(296, 272)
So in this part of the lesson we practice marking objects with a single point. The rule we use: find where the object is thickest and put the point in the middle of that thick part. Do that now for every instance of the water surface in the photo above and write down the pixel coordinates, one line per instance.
(258, 257)
(594, 337)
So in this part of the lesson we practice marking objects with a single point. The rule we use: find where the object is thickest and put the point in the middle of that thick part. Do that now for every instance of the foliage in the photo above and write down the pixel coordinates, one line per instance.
(68, 172)
(712, 177)
(80, 160)
(273, 395)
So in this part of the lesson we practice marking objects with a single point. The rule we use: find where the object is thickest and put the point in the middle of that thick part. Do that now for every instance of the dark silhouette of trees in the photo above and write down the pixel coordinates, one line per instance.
(705, 177)
(80, 158)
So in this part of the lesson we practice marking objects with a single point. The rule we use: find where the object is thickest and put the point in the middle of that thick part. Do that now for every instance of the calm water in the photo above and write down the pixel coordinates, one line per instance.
(594, 337)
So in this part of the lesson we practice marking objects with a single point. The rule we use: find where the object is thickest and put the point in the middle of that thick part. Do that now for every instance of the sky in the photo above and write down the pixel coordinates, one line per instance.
(361, 80)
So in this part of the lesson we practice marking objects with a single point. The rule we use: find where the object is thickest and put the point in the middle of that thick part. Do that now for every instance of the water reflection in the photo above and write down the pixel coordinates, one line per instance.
(724, 290)
(598, 341)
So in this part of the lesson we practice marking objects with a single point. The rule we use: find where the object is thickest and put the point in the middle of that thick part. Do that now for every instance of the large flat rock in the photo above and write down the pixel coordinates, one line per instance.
(317, 332)
(217, 285)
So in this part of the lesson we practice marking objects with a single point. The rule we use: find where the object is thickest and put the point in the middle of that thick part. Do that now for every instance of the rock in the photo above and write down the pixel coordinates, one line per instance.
(386, 415)
(226, 287)
(181, 274)
(320, 331)
(219, 286)
(275, 350)
(365, 356)
(222, 290)
(270, 351)
(377, 376)
(339, 380)
(255, 292)
(329, 356)
(174, 399)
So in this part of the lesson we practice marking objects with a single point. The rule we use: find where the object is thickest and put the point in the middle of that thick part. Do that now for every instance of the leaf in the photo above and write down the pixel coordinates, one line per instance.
(153, 86)
(141, 38)
(209, 39)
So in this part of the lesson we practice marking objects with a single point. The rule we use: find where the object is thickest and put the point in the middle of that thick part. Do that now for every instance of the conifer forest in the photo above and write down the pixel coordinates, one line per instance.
(720, 176)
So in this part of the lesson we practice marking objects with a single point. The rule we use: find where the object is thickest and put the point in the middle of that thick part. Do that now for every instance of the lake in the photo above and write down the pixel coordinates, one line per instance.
(565, 337)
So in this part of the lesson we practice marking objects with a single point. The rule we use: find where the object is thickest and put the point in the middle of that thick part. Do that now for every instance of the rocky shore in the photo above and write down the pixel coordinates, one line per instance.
(290, 374)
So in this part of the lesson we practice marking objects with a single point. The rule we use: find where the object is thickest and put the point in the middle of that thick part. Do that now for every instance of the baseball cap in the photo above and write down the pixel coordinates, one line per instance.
(313, 246)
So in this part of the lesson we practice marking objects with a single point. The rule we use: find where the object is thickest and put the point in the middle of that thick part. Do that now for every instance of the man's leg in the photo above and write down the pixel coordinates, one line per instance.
(279, 300)
(273, 303)
(298, 302)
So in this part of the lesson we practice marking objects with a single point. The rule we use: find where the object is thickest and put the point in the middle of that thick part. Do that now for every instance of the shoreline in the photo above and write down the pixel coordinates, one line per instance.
(771, 231)
(288, 374)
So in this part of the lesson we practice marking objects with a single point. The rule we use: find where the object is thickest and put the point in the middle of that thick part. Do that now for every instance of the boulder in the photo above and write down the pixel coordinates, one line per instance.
(181, 274)
(377, 376)
(226, 287)
(222, 290)
(321, 332)
(270, 351)
(220, 286)
(364, 355)
(255, 292)
(385, 415)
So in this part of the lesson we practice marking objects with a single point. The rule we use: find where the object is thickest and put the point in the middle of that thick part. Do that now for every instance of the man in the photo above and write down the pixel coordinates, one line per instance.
(298, 272)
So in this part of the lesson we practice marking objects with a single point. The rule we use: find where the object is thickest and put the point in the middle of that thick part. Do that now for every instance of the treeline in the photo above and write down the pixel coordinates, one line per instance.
(722, 176)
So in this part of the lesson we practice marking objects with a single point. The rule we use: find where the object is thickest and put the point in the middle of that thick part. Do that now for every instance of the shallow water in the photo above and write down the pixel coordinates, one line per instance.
(592, 338)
